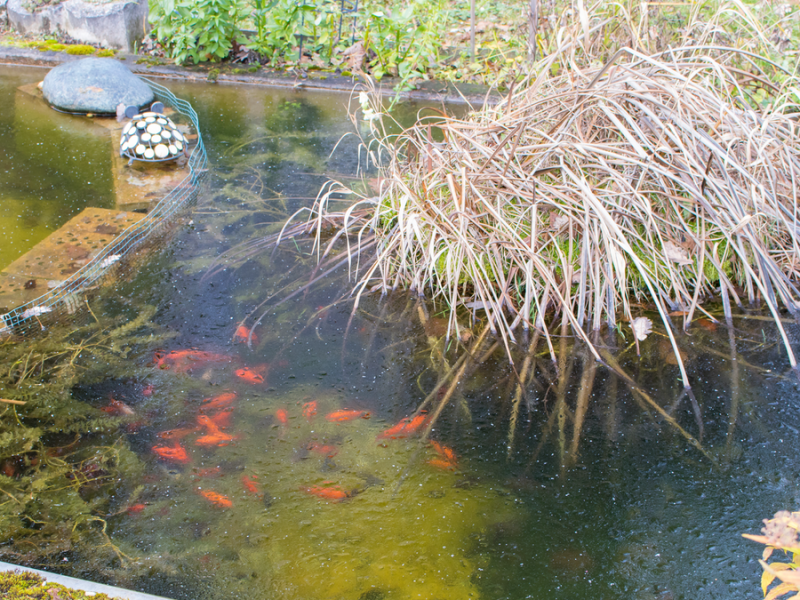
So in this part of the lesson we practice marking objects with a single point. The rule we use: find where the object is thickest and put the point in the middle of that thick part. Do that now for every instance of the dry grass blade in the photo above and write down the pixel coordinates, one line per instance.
(653, 178)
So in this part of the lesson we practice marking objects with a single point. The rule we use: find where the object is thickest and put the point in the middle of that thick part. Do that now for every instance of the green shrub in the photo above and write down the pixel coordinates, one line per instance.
(198, 29)
(106, 52)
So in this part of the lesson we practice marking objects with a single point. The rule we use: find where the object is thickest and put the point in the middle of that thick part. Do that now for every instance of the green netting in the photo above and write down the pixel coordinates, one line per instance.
(68, 296)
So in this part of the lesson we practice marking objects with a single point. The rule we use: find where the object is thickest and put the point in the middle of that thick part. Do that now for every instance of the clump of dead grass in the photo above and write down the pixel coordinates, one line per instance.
(653, 178)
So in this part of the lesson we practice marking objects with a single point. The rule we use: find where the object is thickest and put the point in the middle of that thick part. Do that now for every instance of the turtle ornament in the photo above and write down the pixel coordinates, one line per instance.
(151, 137)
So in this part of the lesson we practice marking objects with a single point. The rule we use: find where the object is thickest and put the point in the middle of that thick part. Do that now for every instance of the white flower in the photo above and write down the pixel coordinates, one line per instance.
(642, 327)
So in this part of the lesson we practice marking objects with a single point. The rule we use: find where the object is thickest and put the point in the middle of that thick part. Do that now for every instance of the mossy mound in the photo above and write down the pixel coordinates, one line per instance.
(21, 585)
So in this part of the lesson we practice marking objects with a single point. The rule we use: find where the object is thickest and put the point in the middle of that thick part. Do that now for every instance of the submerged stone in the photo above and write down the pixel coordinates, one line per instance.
(94, 85)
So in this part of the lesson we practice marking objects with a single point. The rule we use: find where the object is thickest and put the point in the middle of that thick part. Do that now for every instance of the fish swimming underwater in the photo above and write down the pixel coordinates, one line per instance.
(216, 499)
(218, 402)
(446, 459)
(310, 409)
(331, 494)
(327, 450)
(174, 453)
(118, 408)
(406, 427)
(254, 375)
(243, 335)
(282, 416)
(182, 361)
(214, 437)
(346, 415)
(249, 483)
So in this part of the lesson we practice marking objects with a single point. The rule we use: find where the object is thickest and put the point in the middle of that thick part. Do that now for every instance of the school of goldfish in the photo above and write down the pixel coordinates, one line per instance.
(214, 416)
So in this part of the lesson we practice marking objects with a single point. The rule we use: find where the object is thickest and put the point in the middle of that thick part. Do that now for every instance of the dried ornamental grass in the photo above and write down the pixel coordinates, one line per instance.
(651, 178)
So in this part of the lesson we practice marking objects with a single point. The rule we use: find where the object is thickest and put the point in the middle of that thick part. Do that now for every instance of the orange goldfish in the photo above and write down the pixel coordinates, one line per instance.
(249, 484)
(222, 419)
(148, 390)
(216, 499)
(346, 415)
(282, 416)
(184, 360)
(136, 508)
(405, 427)
(117, 408)
(331, 494)
(254, 375)
(175, 453)
(447, 458)
(310, 409)
(215, 437)
(176, 434)
(223, 400)
(327, 450)
(243, 335)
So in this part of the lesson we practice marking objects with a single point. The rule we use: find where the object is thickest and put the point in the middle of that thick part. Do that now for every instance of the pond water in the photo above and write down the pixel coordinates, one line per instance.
(259, 484)
(52, 166)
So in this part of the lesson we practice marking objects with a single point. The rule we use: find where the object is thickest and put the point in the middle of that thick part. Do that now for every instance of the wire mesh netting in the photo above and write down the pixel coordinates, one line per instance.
(70, 295)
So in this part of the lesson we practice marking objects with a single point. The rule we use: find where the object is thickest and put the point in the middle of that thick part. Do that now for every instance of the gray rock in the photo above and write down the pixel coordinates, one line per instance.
(119, 25)
(45, 21)
(96, 85)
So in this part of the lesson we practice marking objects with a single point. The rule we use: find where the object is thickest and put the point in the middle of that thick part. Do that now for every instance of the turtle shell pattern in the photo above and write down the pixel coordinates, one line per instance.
(151, 137)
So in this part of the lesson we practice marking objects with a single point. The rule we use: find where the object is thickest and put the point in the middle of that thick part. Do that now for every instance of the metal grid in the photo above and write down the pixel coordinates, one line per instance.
(31, 317)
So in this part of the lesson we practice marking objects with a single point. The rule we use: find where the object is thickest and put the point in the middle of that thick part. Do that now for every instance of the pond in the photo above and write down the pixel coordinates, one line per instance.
(195, 465)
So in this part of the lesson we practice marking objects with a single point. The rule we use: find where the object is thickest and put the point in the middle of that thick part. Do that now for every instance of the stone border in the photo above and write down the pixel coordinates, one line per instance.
(436, 91)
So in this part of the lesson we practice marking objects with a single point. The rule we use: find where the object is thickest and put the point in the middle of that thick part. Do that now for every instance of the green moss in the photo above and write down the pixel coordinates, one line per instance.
(106, 52)
(80, 49)
(51, 45)
(20, 585)
(254, 69)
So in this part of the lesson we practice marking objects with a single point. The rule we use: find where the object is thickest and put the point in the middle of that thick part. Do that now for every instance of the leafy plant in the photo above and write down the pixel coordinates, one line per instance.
(404, 46)
(780, 533)
(201, 30)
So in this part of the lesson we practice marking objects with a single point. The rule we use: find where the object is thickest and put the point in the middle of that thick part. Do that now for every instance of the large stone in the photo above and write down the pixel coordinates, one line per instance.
(95, 85)
(118, 25)
(44, 21)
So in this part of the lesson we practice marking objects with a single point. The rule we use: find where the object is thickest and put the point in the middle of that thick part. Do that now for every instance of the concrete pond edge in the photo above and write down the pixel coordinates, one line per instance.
(443, 92)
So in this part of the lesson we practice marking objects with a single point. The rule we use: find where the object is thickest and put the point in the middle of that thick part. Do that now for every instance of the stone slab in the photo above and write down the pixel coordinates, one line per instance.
(45, 21)
(66, 250)
(120, 25)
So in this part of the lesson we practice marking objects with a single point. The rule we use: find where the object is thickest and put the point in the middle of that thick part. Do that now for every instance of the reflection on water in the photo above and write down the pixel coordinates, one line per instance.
(245, 475)
(51, 166)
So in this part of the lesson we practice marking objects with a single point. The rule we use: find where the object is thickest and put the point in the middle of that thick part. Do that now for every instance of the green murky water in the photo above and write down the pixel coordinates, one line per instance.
(51, 165)
(599, 497)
